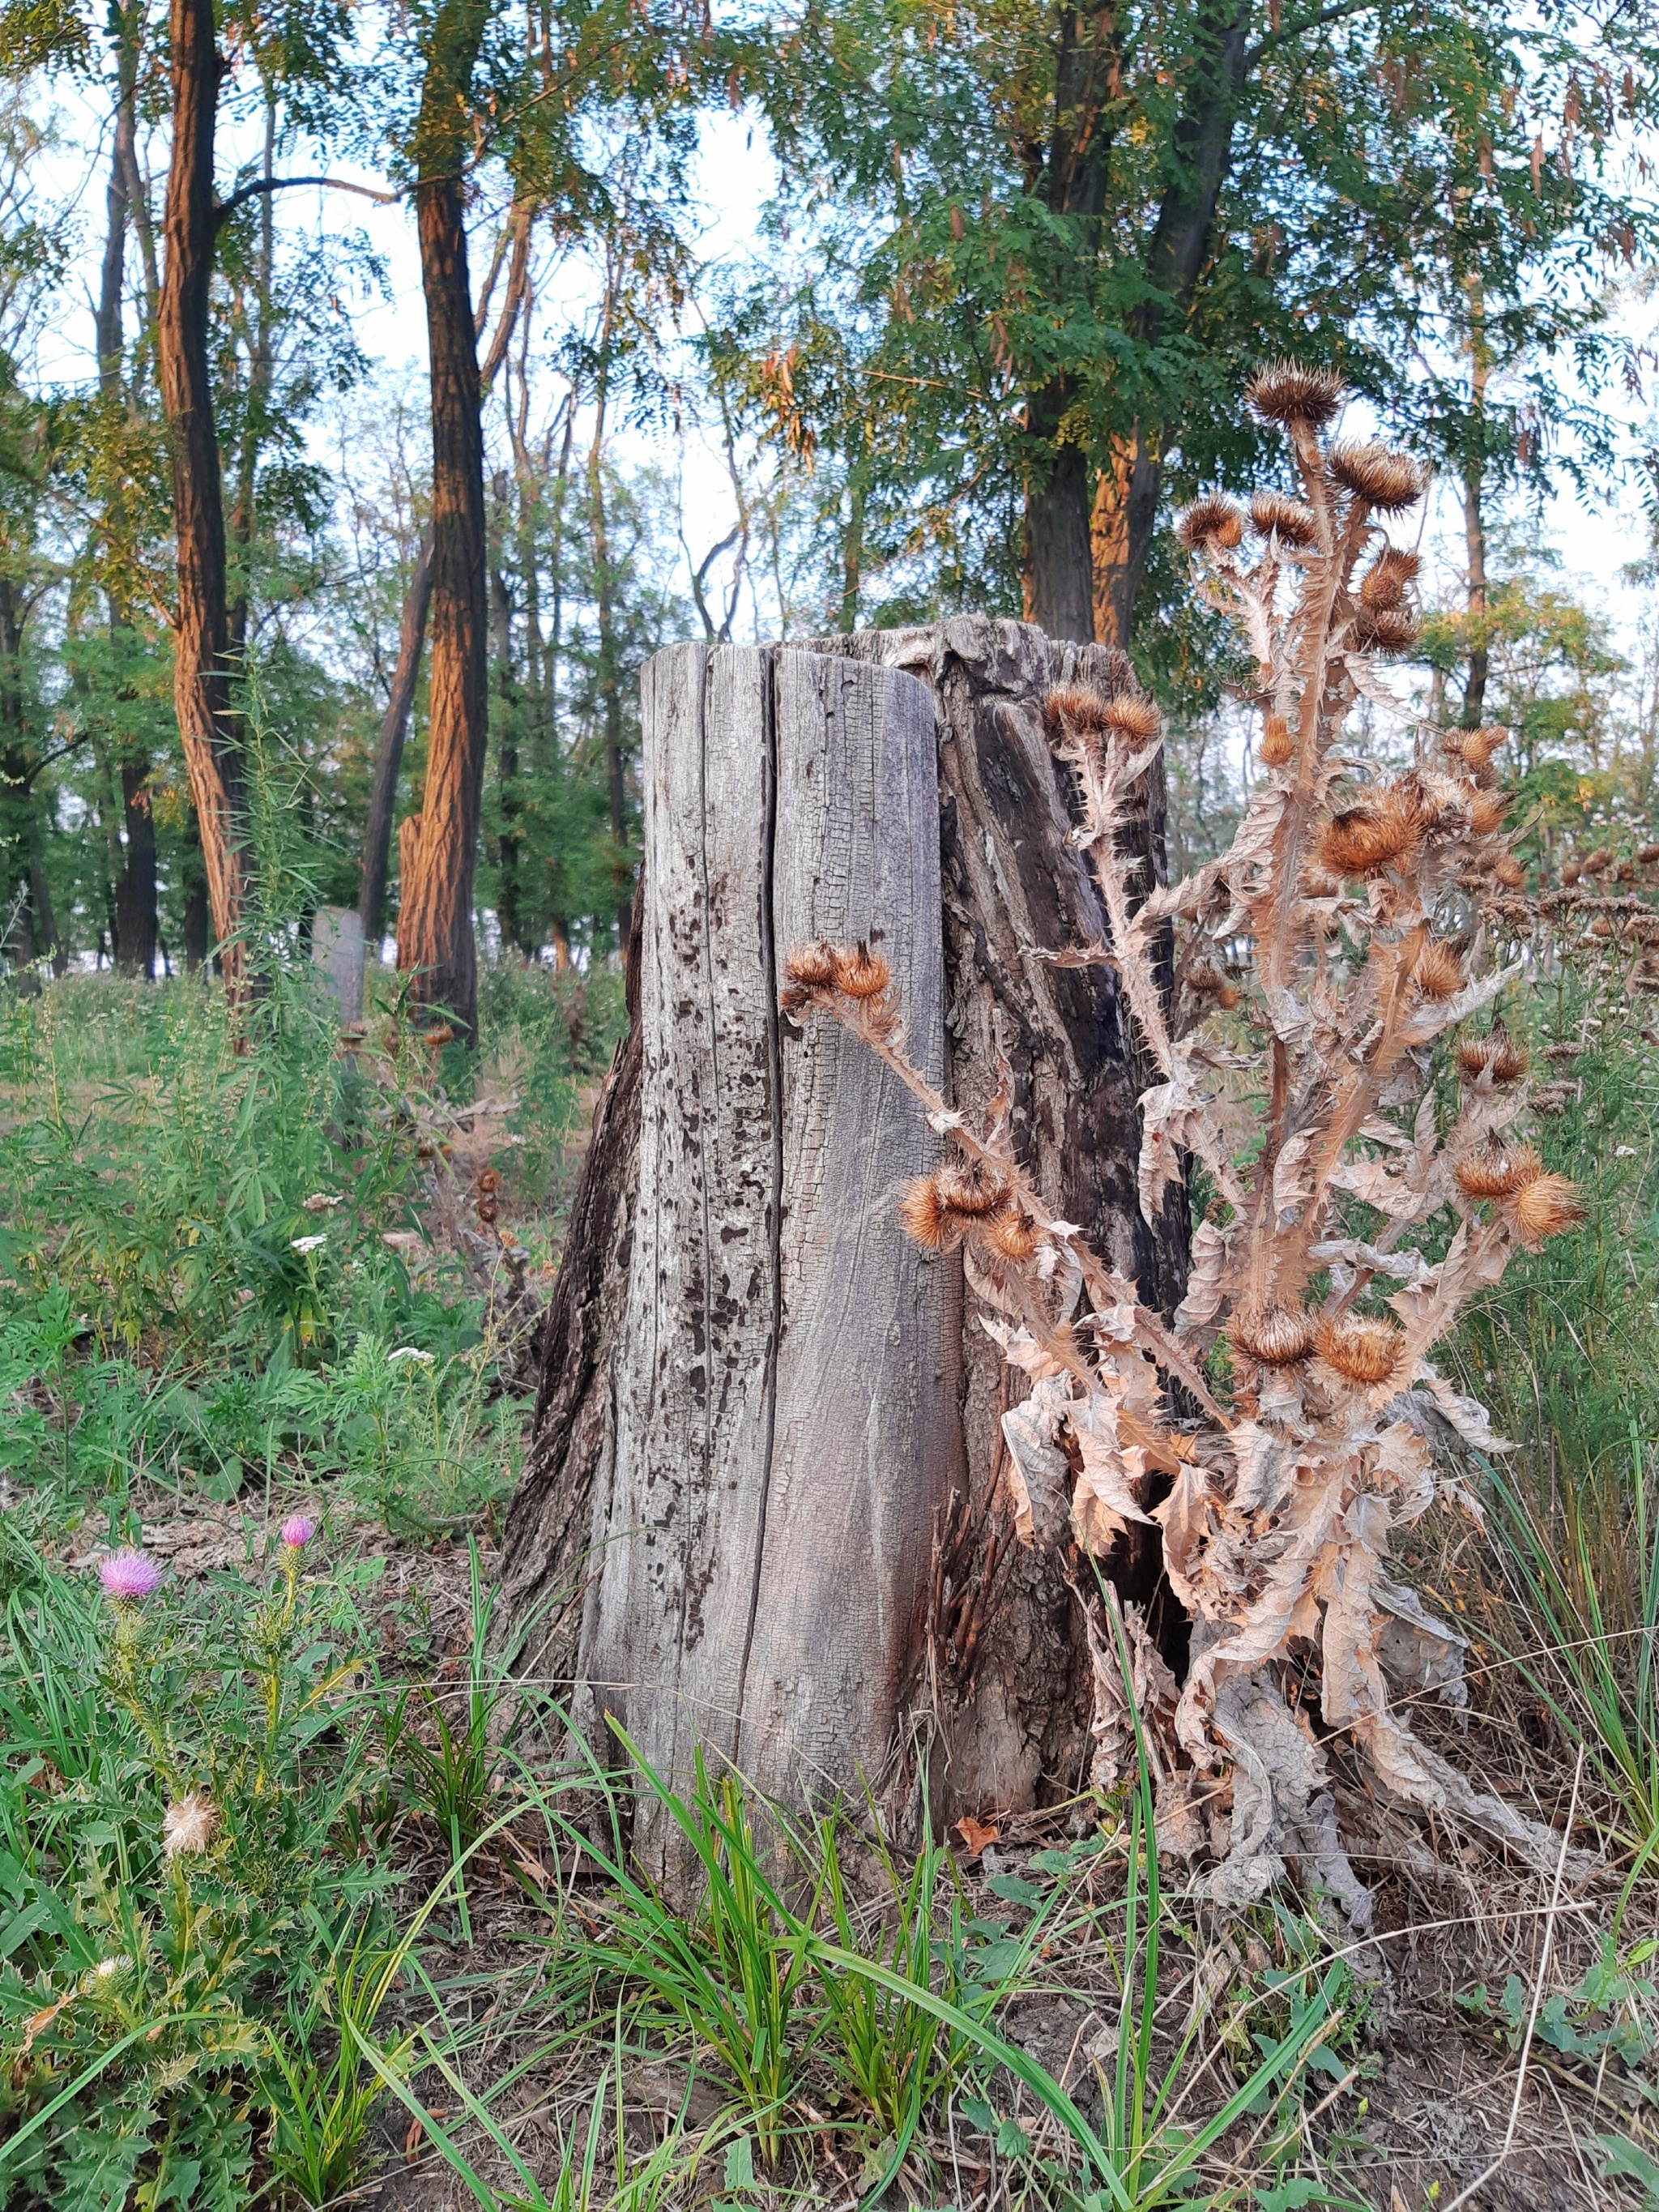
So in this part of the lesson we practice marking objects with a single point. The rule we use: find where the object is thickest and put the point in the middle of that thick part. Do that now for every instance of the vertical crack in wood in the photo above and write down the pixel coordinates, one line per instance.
(703, 1116)
(769, 958)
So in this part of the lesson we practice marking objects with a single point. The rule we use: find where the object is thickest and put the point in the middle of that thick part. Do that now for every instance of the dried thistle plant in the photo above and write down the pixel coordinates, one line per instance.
(1321, 957)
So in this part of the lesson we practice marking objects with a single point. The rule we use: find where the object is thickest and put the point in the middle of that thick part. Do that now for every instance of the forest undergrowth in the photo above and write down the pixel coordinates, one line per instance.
(299, 1905)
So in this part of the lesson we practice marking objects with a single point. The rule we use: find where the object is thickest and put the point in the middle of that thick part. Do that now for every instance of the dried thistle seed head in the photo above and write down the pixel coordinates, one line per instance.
(1212, 522)
(1647, 855)
(1274, 1335)
(1275, 514)
(925, 1218)
(1496, 1056)
(1385, 583)
(1133, 717)
(812, 966)
(1487, 809)
(1364, 1349)
(1509, 872)
(188, 1824)
(1278, 742)
(1626, 871)
(1594, 864)
(1547, 1207)
(1439, 972)
(1388, 481)
(1510, 1061)
(966, 1187)
(1010, 1231)
(1285, 392)
(1570, 873)
(1366, 839)
(1497, 1170)
(1075, 710)
(1205, 978)
(1228, 997)
(1384, 630)
(860, 973)
(1478, 746)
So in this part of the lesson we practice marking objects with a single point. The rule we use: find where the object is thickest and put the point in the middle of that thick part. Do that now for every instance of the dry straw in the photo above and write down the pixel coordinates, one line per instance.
(1325, 956)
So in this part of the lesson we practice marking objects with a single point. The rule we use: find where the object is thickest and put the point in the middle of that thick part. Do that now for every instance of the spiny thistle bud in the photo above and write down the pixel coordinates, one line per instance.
(188, 1825)
(1389, 482)
(1385, 582)
(1283, 392)
(1384, 630)
(1133, 717)
(1364, 1349)
(1210, 522)
(925, 1219)
(811, 966)
(1011, 1231)
(1439, 972)
(1496, 1055)
(1476, 747)
(860, 973)
(1497, 1170)
(1074, 711)
(1487, 809)
(1275, 514)
(1547, 1207)
(1278, 742)
(964, 1187)
(1366, 839)
(1273, 1335)
(1509, 872)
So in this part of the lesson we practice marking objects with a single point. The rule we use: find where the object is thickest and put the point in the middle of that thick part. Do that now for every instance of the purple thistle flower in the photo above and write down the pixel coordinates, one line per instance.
(298, 1531)
(127, 1576)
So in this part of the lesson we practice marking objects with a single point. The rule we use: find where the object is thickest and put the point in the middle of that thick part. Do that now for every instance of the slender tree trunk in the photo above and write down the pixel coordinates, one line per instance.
(610, 698)
(852, 556)
(201, 684)
(1474, 519)
(243, 513)
(24, 939)
(506, 749)
(435, 942)
(389, 748)
(134, 922)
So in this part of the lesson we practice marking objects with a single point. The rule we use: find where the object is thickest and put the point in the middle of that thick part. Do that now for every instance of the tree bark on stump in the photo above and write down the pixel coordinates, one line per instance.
(737, 1580)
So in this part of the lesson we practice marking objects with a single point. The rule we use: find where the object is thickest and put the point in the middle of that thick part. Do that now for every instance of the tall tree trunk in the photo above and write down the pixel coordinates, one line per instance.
(1474, 519)
(435, 943)
(506, 748)
(389, 747)
(201, 682)
(24, 939)
(1058, 575)
(610, 698)
(260, 367)
(134, 922)
(1129, 486)
(1002, 1690)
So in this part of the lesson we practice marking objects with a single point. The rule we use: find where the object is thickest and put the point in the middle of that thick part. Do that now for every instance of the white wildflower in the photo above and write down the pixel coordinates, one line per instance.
(306, 1243)
(408, 1352)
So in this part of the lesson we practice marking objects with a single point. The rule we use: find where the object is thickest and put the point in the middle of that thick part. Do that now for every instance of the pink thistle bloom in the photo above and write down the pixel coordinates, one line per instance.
(127, 1576)
(298, 1531)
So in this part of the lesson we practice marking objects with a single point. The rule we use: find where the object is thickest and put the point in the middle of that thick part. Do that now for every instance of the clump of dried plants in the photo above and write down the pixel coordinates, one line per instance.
(1290, 1418)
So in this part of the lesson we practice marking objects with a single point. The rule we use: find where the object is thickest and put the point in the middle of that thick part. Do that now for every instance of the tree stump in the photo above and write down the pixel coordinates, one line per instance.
(763, 1508)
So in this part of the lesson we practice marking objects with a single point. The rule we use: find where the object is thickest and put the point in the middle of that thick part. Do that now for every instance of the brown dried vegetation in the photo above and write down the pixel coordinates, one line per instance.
(1307, 1423)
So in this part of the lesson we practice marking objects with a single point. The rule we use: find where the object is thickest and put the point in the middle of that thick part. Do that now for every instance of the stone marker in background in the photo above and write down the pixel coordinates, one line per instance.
(336, 951)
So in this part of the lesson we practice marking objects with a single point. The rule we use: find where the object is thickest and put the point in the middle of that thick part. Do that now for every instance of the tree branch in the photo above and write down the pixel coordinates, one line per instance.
(1282, 36)
(262, 185)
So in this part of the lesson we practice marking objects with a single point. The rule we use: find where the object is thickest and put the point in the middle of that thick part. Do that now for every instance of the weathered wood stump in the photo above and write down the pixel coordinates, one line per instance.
(762, 1510)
